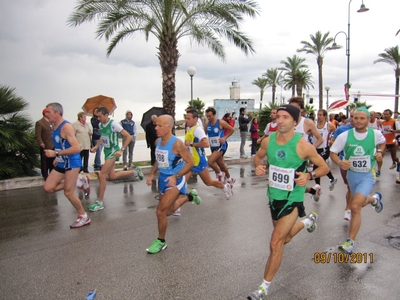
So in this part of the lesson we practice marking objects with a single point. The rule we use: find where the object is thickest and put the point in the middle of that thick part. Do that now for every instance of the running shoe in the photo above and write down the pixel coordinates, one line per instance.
(318, 192)
(260, 294)
(313, 217)
(398, 180)
(139, 173)
(347, 215)
(96, 206)
(156, 247)
(231, 181)
(347, 247)
(228, 191)
(332, 184)
(80, 222)
(244, 156)
(195, 197)
(379, 205)
(125, 167)
(177, 212)
(378, 173)
(221, 176)
(393, 166)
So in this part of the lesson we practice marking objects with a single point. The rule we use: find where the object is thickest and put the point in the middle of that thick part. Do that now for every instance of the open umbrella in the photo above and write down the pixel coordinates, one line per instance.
(338, 104)
(146, 119)
(99, 101)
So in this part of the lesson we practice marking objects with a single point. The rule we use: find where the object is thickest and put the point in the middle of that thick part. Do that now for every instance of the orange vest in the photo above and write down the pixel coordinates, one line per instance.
(389, 136)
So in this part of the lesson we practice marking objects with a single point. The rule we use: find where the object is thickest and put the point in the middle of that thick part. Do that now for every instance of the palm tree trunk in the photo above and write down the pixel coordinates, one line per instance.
(320, 82)
(397, 87)
(261, 97)
(168, 56)
(273, 94)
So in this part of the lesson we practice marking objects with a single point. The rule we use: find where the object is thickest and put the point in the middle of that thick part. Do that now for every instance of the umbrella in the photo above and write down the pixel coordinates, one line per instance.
(99, 101)
(146, 119)
(338, 104)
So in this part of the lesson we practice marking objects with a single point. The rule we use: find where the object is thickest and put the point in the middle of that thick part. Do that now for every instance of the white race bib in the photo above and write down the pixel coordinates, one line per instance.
(281, 178)
(106, 141)
(214, 141)
(162, 158)
(360, 163)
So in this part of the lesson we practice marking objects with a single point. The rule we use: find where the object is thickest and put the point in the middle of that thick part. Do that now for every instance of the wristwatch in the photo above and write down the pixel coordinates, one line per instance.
(191, 144)
(312, 175)
(178, 176)
(56, 152)
(123, 149)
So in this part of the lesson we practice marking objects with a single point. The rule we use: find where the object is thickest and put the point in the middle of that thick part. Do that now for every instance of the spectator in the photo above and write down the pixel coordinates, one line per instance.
(129, 125)
(254, 135)
(43, 131)
(151, 137)
(243, 127)
(95, 138)
(83, 134)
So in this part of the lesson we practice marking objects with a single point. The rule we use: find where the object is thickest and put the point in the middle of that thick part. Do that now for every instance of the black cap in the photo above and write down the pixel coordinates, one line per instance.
(292, 110)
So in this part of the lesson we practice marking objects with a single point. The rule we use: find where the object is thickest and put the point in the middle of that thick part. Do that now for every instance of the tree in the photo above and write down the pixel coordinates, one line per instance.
(291, 66)
(198, 105)
(274, 77)
(318, 46)
(261, 83)
(169, 21)
(303, 80)
(359, 104)
(391, 56)
(18, 147)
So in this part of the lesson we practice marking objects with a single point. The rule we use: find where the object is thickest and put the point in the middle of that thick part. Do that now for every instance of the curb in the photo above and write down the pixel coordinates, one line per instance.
(29, 182)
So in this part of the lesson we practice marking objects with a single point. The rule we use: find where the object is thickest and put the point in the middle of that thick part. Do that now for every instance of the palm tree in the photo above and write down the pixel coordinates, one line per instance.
(291, 66)
(18, 147)
(359, 104)
(391, 56)
(274, 77)
(169, 21)
(303, 81)
(261, 83)
(318, 46)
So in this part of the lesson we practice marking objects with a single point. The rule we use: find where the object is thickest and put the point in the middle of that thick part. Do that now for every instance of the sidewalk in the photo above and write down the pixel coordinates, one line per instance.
(140, 153)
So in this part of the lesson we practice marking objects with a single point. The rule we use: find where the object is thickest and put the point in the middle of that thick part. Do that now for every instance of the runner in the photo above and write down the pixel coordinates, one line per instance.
(68, 162)
(109, 130)
(287, 155)
(359, 146)
(173, 162)
(215, 131)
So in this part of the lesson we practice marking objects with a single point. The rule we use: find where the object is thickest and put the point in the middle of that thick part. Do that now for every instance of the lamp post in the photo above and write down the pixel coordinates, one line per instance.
(191, 71)
(327, 88)
(335, 46)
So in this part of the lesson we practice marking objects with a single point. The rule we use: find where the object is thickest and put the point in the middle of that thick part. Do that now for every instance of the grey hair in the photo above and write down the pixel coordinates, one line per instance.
(56, 107)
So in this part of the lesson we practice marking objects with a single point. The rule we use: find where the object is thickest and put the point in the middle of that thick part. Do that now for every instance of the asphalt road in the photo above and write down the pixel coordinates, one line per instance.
(216, 250)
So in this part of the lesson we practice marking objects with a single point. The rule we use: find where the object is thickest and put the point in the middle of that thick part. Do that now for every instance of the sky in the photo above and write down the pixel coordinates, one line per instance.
(46, 60)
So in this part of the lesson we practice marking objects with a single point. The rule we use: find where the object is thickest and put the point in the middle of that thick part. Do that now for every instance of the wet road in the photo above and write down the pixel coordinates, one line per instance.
(216, 250)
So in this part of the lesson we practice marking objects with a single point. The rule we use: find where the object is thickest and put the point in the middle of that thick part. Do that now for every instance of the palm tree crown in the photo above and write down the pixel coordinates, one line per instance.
(274, 77)
(391, 56)
(169, 20)
(291, 67)
(261, 83)
(318, 46)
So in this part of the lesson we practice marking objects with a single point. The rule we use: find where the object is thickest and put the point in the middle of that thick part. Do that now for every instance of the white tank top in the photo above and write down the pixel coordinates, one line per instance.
(300, 129)
(324, 132)
(374, 125)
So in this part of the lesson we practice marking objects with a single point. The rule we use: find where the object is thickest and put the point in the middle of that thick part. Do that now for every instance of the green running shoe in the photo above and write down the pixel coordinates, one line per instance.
(196, 199)
(139, 173)
(96, 206)
(156, 247)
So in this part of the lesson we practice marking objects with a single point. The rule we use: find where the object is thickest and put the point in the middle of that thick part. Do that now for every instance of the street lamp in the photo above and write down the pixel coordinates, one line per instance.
(327, 88)
(335, 46)
(191, 71)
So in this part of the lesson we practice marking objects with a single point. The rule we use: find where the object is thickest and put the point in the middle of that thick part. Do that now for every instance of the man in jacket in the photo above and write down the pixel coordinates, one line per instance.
(43, 132)
(243, 127)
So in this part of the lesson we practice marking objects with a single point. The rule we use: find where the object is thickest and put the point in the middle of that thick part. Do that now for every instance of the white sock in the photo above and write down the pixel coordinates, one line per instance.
(375, 200)
(307, 222)
(265, 285)
(84, 215)
(100, 202)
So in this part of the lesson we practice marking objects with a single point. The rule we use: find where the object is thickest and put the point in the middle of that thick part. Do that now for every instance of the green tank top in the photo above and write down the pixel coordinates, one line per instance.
(110, 139)
(283, 162)
(360, 153)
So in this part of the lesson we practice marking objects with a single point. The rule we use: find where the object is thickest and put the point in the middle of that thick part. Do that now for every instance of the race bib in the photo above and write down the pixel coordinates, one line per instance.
(106, 141)
(214, 141)
(162, 158)
(360, 163)
(281, 178)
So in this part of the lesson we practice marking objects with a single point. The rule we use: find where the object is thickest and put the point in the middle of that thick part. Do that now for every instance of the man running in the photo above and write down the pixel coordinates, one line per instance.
(287, 155)
(325, 129)
(306, 127)
(389, 130)
(271, 126)
(359, 146)
(173, 162)
(109, 130)
(218, 145)
(66, 151)
(196, 140)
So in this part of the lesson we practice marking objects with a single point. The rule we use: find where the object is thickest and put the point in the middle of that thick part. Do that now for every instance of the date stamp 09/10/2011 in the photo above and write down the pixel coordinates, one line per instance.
(343, 258)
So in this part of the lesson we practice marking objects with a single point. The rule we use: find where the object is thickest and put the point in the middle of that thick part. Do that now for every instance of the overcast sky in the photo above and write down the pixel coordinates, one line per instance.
(47, 61)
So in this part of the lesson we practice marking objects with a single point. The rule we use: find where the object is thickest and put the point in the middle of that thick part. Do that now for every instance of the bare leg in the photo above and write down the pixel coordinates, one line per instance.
(54, 182)
(69, 189)
(165, 208)
(359, 201)
(208, 181)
